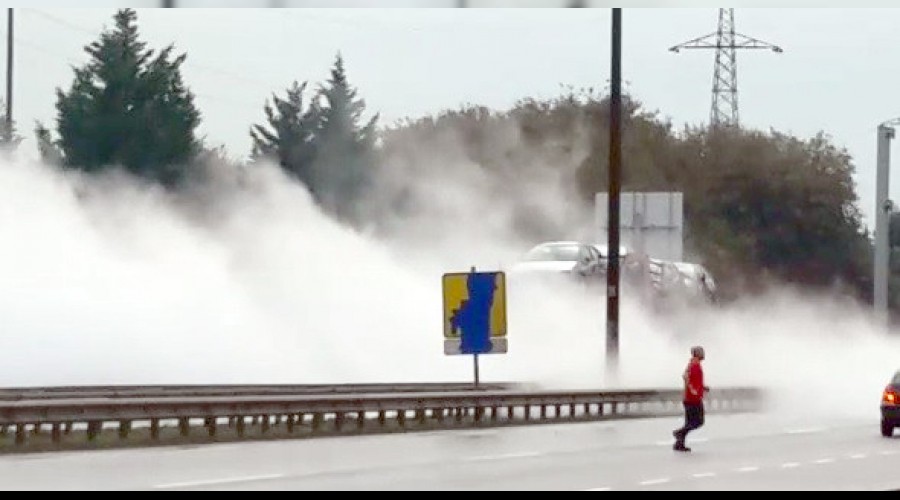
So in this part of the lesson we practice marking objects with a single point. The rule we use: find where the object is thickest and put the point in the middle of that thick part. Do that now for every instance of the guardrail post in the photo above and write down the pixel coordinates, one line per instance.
(20, 434)
(527, 412)
(401, 418)
(360, 419)
(124, 429)
(421, 416)
(382, 418)
(36, 429)
(266, 420)
(56, 434)
(338, 421)
(316, 422)
(510, 412)
(93, 430)
(494, 410)
(154, 429)
(211, 426)
(241, 426)
(4, 430)
(68, 428)
(459, 414)
(289, 423)
(543, 412)
(184, 425)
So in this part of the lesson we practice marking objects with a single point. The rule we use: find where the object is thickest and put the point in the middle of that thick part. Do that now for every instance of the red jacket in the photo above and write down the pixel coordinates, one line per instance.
(693, 383)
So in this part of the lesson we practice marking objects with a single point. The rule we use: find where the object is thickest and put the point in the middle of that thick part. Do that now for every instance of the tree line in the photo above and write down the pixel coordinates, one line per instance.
(760, 207)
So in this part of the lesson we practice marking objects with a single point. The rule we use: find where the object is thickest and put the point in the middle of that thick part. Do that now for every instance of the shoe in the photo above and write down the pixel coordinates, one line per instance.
(681, 447)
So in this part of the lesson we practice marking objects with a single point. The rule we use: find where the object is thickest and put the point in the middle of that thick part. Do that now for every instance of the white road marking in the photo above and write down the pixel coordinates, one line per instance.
(704, 475)
(748, 469)
(889, 453)
(652, 482)
(507, 456)
(823, 461)
(213, 482)
(790, 465)
(810, 430)
(858, 456)
(598, 489)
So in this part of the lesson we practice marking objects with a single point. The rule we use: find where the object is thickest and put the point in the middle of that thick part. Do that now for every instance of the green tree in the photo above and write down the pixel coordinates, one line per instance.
(760, 207)
(786, 206)
(128, 107)
(9, 137)
(289, 137)
(343, 171)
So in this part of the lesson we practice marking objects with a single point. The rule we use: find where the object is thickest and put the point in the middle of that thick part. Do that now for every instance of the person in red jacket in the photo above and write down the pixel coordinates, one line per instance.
(694, 390)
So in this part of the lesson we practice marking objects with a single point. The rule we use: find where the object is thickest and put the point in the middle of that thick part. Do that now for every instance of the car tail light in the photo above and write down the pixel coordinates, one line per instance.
(891, 396)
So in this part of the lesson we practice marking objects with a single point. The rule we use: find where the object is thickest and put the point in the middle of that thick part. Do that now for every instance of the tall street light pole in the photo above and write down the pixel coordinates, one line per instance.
(615, 188)
(9, 72)
(884, 207)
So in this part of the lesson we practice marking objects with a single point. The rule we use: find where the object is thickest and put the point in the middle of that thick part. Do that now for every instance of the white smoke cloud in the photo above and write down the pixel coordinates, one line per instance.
(246, 281)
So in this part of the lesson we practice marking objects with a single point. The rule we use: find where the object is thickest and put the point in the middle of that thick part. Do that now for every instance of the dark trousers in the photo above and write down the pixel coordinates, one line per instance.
(693, 419)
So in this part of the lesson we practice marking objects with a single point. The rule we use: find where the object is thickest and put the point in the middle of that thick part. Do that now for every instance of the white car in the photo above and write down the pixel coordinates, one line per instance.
(697, 279)
(570, 257)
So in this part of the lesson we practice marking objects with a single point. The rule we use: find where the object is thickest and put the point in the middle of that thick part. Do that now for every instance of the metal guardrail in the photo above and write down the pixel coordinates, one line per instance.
(166, 391)
(327, 414)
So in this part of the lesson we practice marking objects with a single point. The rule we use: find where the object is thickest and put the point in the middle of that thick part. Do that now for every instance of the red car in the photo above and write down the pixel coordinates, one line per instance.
(890, 407)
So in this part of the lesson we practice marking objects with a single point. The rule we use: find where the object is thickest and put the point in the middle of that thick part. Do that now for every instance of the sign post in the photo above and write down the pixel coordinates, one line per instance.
(475, 315)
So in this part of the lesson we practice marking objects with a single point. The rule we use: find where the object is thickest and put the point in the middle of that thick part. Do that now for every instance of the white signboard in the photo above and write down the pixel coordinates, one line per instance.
(650, 223)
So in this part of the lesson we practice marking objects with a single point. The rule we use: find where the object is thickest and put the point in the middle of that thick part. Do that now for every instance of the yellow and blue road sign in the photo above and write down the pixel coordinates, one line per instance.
(475, 313)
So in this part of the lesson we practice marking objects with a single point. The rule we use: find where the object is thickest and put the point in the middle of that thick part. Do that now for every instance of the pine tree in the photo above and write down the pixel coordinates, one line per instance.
(289, 137)
(128, 107)
(9, 137)
(344, 168)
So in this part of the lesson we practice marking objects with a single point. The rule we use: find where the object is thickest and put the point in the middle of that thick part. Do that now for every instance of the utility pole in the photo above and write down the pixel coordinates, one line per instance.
(725, 41)
(883, 210)
(615, 188)
(9, 72)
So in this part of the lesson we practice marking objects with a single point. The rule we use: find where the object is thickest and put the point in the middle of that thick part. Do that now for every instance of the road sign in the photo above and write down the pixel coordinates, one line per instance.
(475, 313)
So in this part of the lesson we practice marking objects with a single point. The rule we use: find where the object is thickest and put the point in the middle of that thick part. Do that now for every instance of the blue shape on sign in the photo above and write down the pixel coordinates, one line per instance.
(473, 317)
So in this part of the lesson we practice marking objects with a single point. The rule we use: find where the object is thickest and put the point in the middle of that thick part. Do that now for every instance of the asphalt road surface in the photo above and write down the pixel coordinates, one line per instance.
(737, 452)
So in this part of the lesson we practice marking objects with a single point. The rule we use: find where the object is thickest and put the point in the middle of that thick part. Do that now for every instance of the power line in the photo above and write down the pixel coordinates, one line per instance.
(39, 48)
(62, 22)
(200, 67)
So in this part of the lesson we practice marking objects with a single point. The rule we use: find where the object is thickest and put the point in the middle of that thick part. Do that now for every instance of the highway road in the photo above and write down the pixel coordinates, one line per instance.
(736, 452)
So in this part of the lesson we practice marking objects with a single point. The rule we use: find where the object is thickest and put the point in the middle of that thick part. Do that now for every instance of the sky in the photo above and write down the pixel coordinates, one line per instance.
(836, 73)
